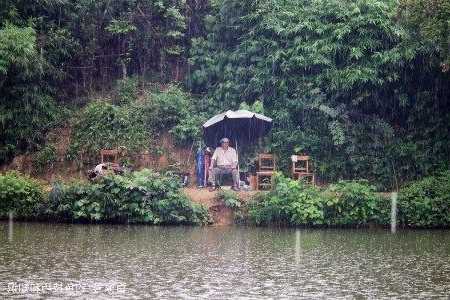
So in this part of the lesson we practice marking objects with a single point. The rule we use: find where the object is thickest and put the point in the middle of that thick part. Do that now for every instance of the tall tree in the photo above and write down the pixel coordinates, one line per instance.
(339, 78)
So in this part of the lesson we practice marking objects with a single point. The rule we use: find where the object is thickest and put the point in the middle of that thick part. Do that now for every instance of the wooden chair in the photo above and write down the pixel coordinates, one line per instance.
(266, 171)
(302, 169)
(266, 162)
(109, 155)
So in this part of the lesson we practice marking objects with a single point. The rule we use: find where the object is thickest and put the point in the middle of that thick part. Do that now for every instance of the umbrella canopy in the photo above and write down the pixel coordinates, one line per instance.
(242, 126)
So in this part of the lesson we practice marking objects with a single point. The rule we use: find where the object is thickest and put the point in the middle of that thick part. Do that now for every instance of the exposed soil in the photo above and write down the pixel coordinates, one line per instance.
(181, 158)
(221, 214)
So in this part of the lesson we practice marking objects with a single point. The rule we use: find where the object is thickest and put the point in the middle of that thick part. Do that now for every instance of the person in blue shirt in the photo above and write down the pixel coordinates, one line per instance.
(200, 167)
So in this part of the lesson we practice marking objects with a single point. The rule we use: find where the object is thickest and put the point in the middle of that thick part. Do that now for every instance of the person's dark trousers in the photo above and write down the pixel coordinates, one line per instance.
(220, 171)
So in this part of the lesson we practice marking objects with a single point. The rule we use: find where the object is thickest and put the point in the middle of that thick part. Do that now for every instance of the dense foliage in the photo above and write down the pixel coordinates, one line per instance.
(295, 203)
(88, 43)
(428, 20)
(353, 83)
(44, 159)
(229, 198)
(56, 52)
(289, 203)
(349, 82)
(426, 203)
(178, 112)
(102, 125)
(135, 124)
(20, 195)
(355, 202)
(140, 197)
(27, 107)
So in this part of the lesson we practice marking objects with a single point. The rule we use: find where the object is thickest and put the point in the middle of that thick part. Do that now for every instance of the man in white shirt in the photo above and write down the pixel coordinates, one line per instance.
(224, 161)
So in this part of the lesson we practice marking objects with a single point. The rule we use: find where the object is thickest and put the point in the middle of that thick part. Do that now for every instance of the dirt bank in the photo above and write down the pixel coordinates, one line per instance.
(221, 214)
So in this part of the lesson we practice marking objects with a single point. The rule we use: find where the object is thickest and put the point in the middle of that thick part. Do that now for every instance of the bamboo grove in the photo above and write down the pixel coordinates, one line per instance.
(362, 86)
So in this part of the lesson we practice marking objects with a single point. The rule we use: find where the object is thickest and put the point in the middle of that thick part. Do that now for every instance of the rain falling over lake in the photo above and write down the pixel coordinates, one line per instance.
(134, 262)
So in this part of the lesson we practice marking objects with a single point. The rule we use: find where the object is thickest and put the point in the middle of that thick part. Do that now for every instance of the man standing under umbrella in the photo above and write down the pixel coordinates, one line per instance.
(226, 162)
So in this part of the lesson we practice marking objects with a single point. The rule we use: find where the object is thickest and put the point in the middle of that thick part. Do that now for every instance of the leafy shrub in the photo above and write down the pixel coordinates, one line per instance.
(293, 202)
(103, 125)
(290, 202)
(140, 197)
(44, 158)
(382, 212)
(127, 90)
(135, 123)
(167, 108)
(426, 202)
(178, 209)
(176, 111)
(78, 201)
(20, 194)
(59, 205)
(230, 199)
(350, 203)
(188, 130)
(308, 207)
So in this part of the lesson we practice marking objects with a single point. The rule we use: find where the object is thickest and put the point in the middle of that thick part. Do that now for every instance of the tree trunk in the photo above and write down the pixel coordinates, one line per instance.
(124, 68)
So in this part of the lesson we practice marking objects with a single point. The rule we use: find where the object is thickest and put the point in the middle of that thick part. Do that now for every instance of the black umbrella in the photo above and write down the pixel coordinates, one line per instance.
(241, 126)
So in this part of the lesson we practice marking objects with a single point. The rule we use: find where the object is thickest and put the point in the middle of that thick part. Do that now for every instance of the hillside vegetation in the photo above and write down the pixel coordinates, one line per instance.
(361, 86)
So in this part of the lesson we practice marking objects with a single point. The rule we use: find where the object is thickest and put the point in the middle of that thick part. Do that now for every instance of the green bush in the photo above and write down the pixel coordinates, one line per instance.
(134, 124)
(426, 202)
(75, 201)
(351, 203)
(45, 158)
(188, 130)
(59, 205)
(290, 202)
(230, 199)
(127, 90)
(20, 194)
(140, 197)
(178, 209)
(103, 125)
(382, 212)
(167, 108)
(176, 111)
(296, 203)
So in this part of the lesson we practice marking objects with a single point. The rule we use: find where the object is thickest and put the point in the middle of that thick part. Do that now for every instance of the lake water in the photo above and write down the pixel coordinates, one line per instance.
(133, 262)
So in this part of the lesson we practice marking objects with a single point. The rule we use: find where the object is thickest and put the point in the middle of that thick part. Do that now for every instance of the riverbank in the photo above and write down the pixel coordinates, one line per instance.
(147, 197)
(220, 213)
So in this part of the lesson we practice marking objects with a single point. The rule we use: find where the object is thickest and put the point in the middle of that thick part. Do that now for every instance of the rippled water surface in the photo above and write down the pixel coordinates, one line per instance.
(108, 261)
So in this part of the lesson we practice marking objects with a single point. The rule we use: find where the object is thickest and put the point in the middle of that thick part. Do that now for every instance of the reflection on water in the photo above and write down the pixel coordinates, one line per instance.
(298, 246)
(394, 197)
(107, 261)
(10, 226)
